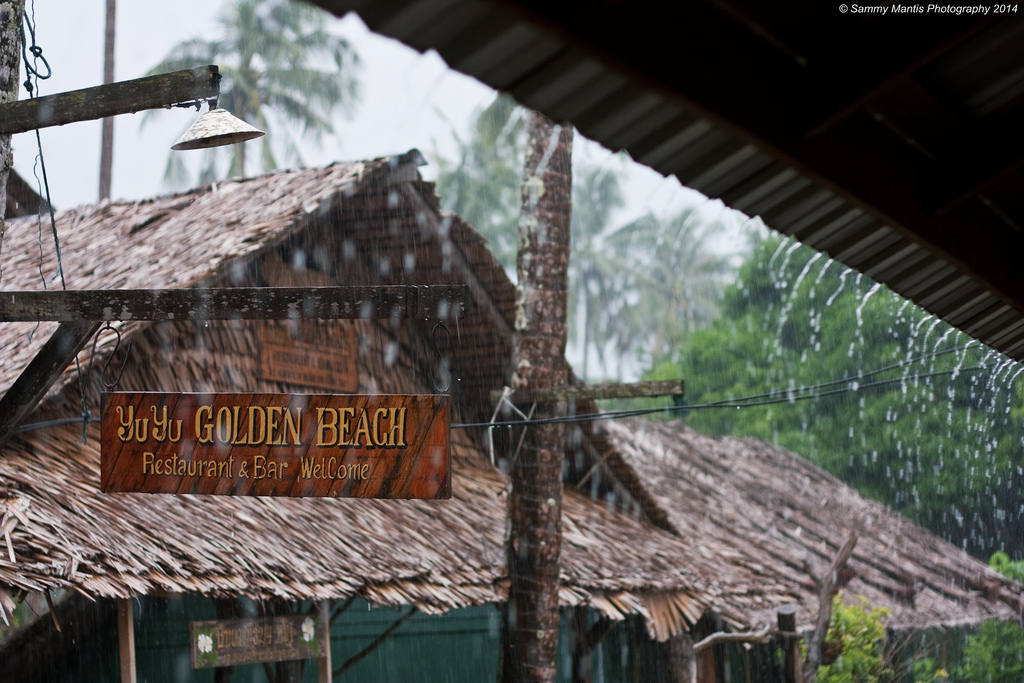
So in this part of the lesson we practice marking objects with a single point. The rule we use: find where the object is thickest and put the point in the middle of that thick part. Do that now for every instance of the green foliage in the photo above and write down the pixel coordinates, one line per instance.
(994, 655)
(277, 60)
(14, 612)
(637, 288)
(1002, 563)
(904, 407)
(482, 185)
(679, 279)
(857, 633)
(927, 670)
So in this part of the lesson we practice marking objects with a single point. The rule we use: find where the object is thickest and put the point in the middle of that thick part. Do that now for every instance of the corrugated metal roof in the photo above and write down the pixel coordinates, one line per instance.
(892, 143)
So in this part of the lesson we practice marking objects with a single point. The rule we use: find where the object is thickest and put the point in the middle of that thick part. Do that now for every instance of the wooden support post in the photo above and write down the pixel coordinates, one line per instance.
(30, 387)
(423, 302)
(126, 639)
(790, 645)
(324, 663)
(124, 97)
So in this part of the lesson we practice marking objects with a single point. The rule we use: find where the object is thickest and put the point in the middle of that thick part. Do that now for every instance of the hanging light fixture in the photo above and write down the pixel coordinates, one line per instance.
(214, 128)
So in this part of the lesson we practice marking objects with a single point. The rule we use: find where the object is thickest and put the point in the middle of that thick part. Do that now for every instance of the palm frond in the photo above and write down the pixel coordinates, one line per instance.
(275, 57)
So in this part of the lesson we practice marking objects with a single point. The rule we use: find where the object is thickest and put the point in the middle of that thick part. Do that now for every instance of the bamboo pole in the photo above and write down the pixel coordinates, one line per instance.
(126, 639)
(107, 137)
(324, 663)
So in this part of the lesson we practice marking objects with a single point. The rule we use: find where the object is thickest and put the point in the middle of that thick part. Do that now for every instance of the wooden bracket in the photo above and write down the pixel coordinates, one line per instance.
(123, 97)
(45, 368)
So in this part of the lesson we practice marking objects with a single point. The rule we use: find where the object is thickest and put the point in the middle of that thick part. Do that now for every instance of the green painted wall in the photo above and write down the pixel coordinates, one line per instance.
(461, 645)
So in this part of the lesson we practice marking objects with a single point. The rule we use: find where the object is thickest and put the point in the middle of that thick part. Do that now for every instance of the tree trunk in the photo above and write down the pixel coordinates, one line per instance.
(11, 12)
(535, 505)
(107, 141)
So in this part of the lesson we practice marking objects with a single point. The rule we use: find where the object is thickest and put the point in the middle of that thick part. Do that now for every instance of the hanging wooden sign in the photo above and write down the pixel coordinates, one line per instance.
(359, 446)
(228, 642)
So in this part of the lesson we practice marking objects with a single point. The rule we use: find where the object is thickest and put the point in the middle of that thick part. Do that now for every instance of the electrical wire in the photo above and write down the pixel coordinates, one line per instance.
(744, 402)
(32, 78)
(773, 397)
(849, 378)
(58, 422)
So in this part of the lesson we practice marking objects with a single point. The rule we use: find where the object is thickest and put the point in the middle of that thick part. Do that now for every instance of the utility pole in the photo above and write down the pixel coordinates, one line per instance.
(107, 143)
(11, 12)
(535, 504)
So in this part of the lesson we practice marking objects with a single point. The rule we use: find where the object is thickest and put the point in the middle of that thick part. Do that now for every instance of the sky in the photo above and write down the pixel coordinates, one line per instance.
(408, 100)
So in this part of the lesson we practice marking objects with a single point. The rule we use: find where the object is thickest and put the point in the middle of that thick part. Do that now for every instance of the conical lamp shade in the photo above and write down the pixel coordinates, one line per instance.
(216, 127)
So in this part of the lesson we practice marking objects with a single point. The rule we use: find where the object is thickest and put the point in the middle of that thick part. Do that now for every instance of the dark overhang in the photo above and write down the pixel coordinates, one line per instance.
(894, 143)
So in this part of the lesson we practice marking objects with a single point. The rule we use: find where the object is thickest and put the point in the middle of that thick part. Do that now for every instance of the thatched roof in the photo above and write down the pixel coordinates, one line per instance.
(685, 548)
(436, 555)
(317, 226)
(771, 512)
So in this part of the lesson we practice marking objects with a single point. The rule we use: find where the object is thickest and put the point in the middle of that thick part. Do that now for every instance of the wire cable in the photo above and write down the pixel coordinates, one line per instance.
(32, 78)
(744, 402)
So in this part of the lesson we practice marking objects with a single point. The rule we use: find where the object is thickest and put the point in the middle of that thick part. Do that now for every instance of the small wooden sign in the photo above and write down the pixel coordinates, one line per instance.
(337, 445)
(313, 355)
(228, 642)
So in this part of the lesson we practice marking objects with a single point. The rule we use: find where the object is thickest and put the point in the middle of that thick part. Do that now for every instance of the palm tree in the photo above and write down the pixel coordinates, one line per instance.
(679, 277)
(278, 61)
(634, 288)
(643, 285)
(483, 185)
(597, 281)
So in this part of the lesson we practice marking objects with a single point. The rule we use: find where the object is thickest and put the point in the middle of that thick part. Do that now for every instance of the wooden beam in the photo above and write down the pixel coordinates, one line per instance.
(590, 392)
(423, 302)
(974, 160)
(126, 639)
(899, 61)
(45, 368)
(123, 97)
